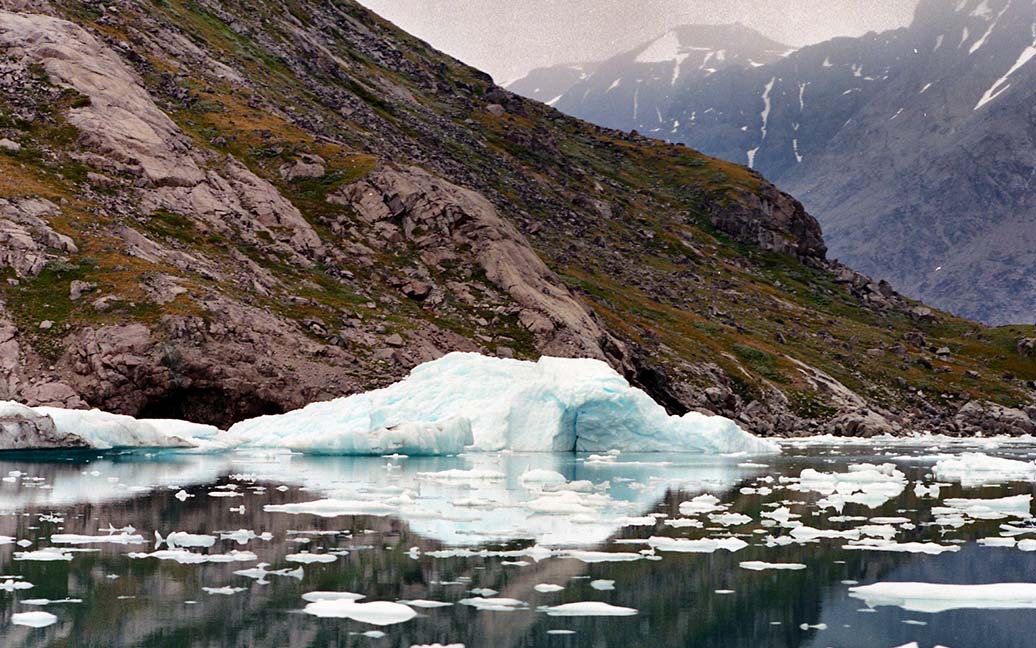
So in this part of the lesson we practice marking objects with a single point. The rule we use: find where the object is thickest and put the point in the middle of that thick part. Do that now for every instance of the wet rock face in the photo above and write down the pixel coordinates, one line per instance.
(23, 428)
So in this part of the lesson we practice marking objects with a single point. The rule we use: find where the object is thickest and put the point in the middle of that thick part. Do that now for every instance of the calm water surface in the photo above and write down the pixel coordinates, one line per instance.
(405, 529)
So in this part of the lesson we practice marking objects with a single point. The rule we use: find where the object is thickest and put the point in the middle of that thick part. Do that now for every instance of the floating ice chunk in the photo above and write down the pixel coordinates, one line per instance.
(989, 509)
(940, 597)
(182, 495)
(683, 523)
(602, 585)
(426, 604)
(930, 548)
(72, 538)
(704, 545)
(226, 590)
(807, 534)
(555, 404)
(974, 469)
(704, 503)
(601, 556)
(540, 478)
(34, 619)
(438, 645)
(494, 604)
(184, 539)
(244, 536)
(546, 588)
(729, 519)
(332, 596)
(997, 542)
(868, 484)
(332, 508)
(380, 613)
(588, 608)
(43, 601)
(309, 558)
(259, 572)
(458, 475)
(759, 565)
(185, 557)
(47, 554)
(11, 585)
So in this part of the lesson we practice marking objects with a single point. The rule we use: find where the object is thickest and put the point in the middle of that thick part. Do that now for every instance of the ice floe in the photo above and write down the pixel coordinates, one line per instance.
(759, 565)
(34, 619)
(380, 613)
(940, 597)
(588, 608)
(975, 469)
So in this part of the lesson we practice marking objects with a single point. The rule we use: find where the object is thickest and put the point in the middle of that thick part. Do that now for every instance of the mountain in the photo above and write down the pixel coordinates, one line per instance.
(549, 84)
(914, 147)
(212, 210)
(632, 91)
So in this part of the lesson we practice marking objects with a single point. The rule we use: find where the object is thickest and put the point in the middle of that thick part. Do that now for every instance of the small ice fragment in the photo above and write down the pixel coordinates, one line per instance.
(494, 604)
(33, 619)
(588, 608)
(602, 584)
(759, 565)
(546, 588)
(182, 495)
(309, 558)
(332, 596)
(226, 590)
(47, 554)
(381, 613)
(426, 604)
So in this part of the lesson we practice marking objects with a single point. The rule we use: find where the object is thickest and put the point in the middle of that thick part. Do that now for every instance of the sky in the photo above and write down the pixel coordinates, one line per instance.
(507, 38)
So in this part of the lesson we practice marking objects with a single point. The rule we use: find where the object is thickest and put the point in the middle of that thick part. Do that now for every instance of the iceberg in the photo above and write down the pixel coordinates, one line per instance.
(466, 401)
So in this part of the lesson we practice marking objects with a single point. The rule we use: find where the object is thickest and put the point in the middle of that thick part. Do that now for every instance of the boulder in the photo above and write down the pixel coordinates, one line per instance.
(983, 417)
(79, 288)
(861, 423)
(9, 146)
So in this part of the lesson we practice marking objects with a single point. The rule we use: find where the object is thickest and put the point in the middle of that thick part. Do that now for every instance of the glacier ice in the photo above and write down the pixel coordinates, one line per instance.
(489, 404)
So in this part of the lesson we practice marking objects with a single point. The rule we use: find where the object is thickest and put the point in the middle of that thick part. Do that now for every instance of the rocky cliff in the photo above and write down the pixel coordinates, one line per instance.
(212, 210)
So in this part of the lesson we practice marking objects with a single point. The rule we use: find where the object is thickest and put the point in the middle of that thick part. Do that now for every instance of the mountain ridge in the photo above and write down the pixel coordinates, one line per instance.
(911, 146)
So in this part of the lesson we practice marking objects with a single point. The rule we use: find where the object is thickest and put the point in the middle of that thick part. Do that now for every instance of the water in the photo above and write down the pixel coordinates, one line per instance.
(410, 551)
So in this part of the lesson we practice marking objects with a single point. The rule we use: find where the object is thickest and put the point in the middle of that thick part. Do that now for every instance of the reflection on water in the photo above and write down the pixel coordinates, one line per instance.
(431, 519)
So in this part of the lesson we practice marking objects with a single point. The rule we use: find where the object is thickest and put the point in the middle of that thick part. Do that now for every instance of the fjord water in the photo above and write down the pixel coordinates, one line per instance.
(425, 537)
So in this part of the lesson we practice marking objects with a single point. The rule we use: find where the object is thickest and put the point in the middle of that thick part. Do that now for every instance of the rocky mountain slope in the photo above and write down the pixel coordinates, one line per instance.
(914, 148)
(212, 210)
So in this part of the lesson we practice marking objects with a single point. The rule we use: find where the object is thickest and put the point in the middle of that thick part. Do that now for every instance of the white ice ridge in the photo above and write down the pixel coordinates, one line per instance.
(467, 401)
(939, 597)
(102, 430)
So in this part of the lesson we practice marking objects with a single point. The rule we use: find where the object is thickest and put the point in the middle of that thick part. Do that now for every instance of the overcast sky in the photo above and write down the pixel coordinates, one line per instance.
(509, 37)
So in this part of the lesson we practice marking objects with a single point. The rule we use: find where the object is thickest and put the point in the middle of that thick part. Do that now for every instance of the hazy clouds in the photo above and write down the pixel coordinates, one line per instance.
(508, 37)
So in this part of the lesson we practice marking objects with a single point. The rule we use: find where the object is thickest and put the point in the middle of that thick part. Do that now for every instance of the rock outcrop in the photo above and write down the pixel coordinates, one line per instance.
(412, 207)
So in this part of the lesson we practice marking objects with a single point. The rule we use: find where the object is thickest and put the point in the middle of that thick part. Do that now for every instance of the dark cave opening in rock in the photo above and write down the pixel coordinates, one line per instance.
(208, 405)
